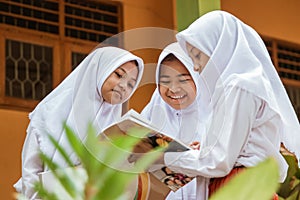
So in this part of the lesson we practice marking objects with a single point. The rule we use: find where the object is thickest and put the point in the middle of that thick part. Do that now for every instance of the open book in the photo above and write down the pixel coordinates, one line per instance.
(155, 184)
(154, 138)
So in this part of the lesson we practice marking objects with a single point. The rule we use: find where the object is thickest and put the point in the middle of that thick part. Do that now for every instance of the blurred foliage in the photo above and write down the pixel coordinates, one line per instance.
(259, 182)
(290, 188)
(102, 174)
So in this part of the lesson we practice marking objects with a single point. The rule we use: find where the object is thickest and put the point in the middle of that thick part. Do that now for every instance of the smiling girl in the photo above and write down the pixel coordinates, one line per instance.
(173, 107)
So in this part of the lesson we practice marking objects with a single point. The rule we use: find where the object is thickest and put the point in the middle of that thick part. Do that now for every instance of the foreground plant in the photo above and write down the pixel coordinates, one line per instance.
(102, 174)
(259, 182)
(290, 188)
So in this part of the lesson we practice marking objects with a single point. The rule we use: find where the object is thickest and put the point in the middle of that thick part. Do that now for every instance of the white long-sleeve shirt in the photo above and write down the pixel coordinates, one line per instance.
(246, 132)
(32, 164)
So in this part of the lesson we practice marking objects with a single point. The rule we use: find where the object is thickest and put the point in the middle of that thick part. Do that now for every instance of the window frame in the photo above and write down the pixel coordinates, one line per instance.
(62, 52)
(274, 50)
(63, 46)
(32, 37)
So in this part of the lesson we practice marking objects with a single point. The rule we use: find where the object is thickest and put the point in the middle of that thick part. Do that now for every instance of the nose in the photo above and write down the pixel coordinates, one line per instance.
(122, 85)
(196, 67)
(174, 87)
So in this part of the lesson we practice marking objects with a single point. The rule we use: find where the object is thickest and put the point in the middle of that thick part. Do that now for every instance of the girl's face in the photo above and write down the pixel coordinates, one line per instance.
(176, 85)
(119, 85)
(199, 58)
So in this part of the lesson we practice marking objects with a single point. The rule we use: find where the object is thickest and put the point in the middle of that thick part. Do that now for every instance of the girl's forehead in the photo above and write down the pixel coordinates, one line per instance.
(173, 67)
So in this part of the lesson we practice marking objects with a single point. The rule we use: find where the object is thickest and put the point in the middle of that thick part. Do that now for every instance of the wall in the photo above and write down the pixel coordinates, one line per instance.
(12, 129)
(148, 13)
(149, 27)
(279, 19)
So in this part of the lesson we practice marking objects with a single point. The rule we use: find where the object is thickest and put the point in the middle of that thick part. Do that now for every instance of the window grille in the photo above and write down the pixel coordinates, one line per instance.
(90, 21)
(269, 46)
(286, 58)
(289, 62)
(28, 70)
(35, 15)
(86, 20)
(294, 94)
(77, 58)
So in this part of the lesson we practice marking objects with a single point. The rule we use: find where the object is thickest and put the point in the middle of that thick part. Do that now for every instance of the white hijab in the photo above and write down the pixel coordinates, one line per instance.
(239, 57)
(78, 100)
(181, 124)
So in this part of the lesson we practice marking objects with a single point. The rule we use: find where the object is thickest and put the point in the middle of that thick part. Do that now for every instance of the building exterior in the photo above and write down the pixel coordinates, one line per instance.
(42, 41)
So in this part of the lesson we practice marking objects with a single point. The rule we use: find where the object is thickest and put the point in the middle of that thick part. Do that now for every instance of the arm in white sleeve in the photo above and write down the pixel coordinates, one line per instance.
(31, 163)
(231, 125)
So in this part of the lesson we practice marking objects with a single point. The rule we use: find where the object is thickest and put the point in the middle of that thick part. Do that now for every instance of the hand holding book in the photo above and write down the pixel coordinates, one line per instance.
(154, 138)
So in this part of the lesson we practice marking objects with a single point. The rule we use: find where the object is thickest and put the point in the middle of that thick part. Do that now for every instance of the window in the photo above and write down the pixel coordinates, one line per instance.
(286, 58)
(42, 41)
(28, 70)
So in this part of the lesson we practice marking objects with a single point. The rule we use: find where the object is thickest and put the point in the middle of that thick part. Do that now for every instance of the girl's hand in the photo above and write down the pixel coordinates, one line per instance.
(195, 145)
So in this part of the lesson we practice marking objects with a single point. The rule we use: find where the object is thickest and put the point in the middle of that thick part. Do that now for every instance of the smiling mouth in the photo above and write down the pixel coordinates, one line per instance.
(177, 97)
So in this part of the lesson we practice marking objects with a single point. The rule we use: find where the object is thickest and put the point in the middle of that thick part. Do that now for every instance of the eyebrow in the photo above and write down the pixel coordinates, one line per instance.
(191, 49)
(183, 75)
(179, 75)
(121, 68)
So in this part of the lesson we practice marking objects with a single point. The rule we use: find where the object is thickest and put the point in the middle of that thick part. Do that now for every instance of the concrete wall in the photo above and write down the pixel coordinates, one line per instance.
(279, 19)
(12, 130)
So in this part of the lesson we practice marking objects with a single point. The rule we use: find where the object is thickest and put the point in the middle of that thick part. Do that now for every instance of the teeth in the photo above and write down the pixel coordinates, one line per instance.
(177, 97)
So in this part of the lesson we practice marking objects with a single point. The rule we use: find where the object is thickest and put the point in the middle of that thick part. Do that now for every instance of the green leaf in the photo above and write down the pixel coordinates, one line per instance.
(44, 194)
(91, 148)
(115, 185)
(74, 141)
(295, 192)
(297, 174)
(62, 177)
(259, 182)
(286, 187)
(103, 161)
(62, 152)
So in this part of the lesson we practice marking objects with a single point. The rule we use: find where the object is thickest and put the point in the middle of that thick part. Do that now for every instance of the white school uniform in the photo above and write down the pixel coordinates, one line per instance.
(184, 124)
(76, 101)
(249, 113)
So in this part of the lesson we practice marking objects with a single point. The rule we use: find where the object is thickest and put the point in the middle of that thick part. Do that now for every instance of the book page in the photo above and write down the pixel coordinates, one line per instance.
(154, 138)
(173, 180)
(132, 119)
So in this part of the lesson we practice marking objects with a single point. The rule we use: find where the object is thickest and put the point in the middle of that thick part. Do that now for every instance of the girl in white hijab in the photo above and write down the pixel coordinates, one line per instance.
(173, 108)
(93, 92)
(248, 113)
